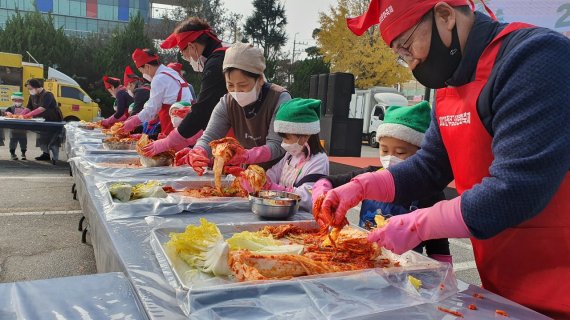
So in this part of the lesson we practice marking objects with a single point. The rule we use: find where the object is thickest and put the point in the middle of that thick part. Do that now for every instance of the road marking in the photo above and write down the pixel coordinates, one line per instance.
(466, 265)
(35, 178)
(39, 213)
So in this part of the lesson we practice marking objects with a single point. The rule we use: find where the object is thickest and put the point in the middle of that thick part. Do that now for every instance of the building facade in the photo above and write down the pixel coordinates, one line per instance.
(80, 17)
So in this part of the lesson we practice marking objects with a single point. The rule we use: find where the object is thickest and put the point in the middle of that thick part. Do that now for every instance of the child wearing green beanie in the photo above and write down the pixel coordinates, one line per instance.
(400, 137)
(18, 136)
(297, 122)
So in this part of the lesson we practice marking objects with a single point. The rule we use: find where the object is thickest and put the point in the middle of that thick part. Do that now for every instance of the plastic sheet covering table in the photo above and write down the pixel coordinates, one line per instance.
(99, 296)
(124, 245)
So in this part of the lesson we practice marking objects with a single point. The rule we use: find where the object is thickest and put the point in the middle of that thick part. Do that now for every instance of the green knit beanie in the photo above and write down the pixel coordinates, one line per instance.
(16, 95)
(406, 123)
(299, 116)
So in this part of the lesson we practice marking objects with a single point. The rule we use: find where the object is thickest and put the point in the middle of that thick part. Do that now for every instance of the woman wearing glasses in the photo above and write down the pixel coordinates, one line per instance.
(500, 129)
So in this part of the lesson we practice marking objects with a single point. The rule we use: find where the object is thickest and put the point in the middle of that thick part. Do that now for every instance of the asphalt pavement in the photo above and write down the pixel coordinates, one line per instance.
(39, 218)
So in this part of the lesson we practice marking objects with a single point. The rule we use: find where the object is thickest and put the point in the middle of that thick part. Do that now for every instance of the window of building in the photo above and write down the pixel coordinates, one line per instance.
(75, 8)
(63, 7)
(11, 76)
(72, 93)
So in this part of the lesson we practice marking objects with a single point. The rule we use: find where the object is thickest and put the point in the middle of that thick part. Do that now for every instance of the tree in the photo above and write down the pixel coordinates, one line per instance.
(367, 57)
(266, 28)
(210, 10)
(35, 33)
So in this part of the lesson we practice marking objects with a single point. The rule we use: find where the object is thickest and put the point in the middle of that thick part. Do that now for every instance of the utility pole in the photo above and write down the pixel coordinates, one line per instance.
(295, 43)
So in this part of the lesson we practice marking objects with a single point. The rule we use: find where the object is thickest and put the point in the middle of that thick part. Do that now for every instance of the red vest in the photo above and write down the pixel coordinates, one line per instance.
(164, 114)
(529, 263)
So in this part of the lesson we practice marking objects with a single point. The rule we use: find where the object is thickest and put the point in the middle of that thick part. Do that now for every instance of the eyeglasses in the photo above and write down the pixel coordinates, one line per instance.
(404, 55)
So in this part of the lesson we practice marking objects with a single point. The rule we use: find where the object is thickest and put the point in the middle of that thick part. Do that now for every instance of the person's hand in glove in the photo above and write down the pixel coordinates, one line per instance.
(233, 170)
(174, 141)
(198, 158)
(269, 185)
(377, 185)
(404, 232)
(131, 124)
(249, 156)
(181, 157)
(34, 113)
(319, 188)
(107, 123)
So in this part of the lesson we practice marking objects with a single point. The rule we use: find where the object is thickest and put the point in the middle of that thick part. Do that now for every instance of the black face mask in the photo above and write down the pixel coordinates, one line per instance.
(441, 61)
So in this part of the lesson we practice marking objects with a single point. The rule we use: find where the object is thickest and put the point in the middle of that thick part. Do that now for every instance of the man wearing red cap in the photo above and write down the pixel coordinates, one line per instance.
(198, 45)
(137, 88)
(166, 88)
(121, 104)
(500, 129)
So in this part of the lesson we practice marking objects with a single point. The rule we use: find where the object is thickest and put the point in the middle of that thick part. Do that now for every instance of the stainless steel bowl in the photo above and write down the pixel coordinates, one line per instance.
(274, 204)
(120, 145)
(157, 161)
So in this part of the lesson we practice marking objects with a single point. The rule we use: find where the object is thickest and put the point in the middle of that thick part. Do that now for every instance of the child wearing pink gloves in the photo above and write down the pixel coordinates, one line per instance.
(400, 137)
(305, 161)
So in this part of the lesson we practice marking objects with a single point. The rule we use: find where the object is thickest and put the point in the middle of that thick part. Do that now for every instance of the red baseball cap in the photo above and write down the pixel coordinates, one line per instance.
(395, 16)
(143, 56)
(114, 82)
(129, 76)
(182, 39)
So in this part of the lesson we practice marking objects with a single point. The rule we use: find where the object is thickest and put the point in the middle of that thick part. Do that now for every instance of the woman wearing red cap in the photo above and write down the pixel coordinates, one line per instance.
(500, 129)
(166, 88)
(121, 104)
(138, 89)
(200, 46)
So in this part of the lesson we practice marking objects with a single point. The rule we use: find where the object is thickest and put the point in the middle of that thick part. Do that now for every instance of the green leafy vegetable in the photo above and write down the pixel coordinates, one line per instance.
(202, 247)
(121, 191)
(151, 189)
(262, 244)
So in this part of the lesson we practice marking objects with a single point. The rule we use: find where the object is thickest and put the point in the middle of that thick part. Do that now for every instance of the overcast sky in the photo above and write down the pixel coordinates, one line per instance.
(302, 17)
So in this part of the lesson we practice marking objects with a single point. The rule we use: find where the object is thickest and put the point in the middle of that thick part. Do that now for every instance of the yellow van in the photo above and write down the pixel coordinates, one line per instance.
(74, 102)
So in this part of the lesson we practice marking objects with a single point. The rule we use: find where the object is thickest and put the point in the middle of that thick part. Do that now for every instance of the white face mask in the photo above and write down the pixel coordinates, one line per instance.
(389, 160)
(18, 104)
(33, 92)
(131, 93)
(246, 98)
(294, 149)
(147, 77)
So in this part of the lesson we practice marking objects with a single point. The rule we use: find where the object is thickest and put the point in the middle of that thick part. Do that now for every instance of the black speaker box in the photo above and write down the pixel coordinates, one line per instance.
(314, 87)
(322, 91)
(343, 136)
(340, 90)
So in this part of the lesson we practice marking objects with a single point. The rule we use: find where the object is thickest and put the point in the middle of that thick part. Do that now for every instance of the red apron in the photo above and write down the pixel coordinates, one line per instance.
(530, 263)
(164, 114)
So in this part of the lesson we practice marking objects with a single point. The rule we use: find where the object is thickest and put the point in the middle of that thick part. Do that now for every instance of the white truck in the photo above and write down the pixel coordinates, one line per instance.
(371, 105)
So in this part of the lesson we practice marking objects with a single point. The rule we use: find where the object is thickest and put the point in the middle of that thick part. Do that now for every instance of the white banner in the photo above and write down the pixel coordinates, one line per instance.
(553, 14)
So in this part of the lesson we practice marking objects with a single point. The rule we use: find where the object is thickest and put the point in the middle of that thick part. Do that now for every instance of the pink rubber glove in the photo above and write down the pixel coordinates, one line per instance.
(253, 155)
(107, 123)
(34, 113)
(131, 124)
(233, 170)
(23, 111)
(406, 231)
(181, 157)
(198, 159)
(377, 185)
(319, 188)
(174, 141)
(8, 113)
(269, 185)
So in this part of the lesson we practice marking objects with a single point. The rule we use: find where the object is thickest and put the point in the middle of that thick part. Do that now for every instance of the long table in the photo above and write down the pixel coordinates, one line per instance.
(99, 296)
(124, 246)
